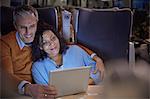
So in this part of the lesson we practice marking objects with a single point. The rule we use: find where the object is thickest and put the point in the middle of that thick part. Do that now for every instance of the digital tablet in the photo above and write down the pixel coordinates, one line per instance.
(70, 81)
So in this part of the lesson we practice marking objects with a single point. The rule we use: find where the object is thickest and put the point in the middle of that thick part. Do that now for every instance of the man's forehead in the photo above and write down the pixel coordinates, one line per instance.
(28, 20)
(25, 18)
(25, 14)
(27, 24)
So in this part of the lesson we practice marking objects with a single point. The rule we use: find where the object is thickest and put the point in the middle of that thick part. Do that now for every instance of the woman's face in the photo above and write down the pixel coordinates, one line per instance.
(50, 43)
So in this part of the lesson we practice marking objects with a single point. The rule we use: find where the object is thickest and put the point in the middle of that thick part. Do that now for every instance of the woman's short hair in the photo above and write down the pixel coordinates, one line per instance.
(24, 10)
(37, 53)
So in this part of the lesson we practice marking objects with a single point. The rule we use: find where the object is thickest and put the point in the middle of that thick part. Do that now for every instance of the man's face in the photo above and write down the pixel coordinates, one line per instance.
(26, 26)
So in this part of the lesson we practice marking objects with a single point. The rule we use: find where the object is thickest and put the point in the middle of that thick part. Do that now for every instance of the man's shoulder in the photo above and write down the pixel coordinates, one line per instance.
(9, 37)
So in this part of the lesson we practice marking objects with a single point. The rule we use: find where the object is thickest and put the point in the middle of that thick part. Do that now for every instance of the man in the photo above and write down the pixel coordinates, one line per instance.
(16, 57)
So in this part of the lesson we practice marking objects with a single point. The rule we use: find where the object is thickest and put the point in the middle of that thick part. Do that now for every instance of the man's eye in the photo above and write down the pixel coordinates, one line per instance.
(32, 26)
(22, 27)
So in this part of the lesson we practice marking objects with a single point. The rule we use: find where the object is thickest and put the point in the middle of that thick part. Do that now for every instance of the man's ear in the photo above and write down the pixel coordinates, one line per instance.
(41, 48)
(14, 23)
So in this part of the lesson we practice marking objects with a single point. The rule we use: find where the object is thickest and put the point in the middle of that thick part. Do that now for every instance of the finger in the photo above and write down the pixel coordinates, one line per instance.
(36, 91)
(102, 75)
(95, 71)
(51, 97)
(39, 90)
(47, 96)
(49, 87)
(40, 96)
(52, 87)
(50, 90)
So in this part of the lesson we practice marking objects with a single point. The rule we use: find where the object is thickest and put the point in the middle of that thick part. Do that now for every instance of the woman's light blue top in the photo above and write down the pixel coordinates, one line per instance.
(74, 57)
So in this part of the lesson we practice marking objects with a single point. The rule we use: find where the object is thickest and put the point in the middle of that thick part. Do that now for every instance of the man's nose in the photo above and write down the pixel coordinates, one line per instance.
(27, 30)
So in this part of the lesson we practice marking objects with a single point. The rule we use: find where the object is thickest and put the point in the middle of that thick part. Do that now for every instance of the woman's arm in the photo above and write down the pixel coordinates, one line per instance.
(98, 60)
(39, 73)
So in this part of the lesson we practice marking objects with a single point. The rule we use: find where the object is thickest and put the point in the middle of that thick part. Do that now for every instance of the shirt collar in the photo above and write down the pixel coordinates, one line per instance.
(19, 41)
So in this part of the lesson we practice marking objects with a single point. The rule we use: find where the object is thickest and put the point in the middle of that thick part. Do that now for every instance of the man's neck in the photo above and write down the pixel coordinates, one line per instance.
(28, 44)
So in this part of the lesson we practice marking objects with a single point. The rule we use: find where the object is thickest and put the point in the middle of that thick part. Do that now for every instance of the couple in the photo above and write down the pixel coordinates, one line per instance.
(17, 59)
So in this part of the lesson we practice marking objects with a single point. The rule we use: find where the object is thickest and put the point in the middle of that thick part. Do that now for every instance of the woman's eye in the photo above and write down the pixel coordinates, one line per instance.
(44, 43)
(53, 38)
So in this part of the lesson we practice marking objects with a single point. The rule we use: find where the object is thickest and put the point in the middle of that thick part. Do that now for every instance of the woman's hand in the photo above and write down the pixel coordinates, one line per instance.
(99, 66)
(91, 81)
(40, 91)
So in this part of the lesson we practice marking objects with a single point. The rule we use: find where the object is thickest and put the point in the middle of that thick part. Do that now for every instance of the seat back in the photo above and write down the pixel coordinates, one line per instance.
(47, 14)
(6, 19)
(105, 31)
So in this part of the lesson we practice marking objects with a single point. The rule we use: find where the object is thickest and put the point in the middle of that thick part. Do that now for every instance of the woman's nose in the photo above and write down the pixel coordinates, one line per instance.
(52, 43)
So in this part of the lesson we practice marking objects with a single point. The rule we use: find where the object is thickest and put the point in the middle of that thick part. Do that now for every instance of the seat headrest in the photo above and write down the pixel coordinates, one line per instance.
(47, 14)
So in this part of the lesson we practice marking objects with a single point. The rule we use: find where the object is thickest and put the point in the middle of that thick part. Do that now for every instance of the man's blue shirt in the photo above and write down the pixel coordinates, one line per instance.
(19, 41)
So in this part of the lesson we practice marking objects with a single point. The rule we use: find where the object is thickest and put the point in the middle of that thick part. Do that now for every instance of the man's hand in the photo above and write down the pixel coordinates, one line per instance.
(40, 91)
(99, 66)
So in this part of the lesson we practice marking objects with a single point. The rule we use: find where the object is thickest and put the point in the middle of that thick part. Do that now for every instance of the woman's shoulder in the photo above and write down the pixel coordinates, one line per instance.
(74, 47)
(39, 62)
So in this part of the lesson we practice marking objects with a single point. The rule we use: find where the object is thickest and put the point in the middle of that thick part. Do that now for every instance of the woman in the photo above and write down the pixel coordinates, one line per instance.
(50, 53)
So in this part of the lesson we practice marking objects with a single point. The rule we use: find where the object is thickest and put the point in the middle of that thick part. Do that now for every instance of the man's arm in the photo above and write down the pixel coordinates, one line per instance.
(9, 80)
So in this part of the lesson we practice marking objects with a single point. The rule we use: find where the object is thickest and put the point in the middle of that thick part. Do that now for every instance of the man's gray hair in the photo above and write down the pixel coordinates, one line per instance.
(24, 10)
